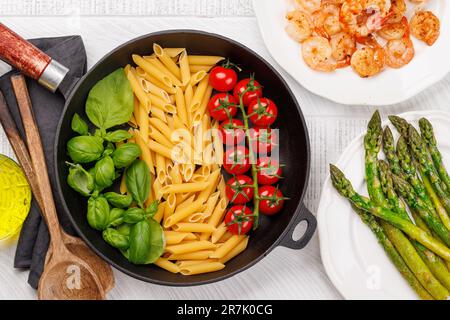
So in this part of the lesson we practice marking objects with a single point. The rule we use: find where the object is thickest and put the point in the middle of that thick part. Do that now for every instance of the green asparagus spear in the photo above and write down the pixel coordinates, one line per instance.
(400, 124)
(410, 173)
(389, 151)
(426, 168)
(433, 262)
(372, 145)
(405, 190)
(428, 136)
(392, 253)
(344, 187)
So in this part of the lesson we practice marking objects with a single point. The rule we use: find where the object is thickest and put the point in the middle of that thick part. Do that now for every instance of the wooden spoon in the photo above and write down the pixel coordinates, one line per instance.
(65, 276)
(74, 244)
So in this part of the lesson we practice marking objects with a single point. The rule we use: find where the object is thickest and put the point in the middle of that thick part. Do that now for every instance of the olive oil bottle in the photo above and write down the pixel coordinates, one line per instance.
(15, 197)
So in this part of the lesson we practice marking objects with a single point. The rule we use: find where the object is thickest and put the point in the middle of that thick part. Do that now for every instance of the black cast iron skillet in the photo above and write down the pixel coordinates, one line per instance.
(273, 231)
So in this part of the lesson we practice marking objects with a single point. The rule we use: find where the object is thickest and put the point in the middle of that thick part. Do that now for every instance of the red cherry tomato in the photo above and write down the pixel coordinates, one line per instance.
(272, 200)
(262, 112)
(263, 139)
(239, 190)
(232, 132)
(222, 79)
(269, 171)
(222, 106)
(236, 160)
(254, 90)
(239, 219)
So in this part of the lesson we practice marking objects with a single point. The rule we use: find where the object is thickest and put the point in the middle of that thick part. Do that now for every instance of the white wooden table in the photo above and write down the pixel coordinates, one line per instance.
(104, 24)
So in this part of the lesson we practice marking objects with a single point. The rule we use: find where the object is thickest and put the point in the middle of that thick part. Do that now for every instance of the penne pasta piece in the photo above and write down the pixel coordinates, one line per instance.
(160, 149)
(188, 94)
(160, 169)
(159, 137)
(217, 144)
(205, 100)
(167, 265)
(181, 214)
(218, 233)
(225, 237)
(158, 113)
(152, 70)
(141, 72)
(184, 68)
(190, 247)
(198, 95)
(240, 247)
(196, 217)
(156, 188)
(222, 187)
(181, 106)
(166, 60)
(196, 177)
(227, 246)
(123, 185)
(170, 207)
(163, 69)
(201, 268)
(188, 171)
(173, 237)
(216, 216)
(178, 123)
(212, 184)
(137, 88)
(160, 213)
(196, 68)
(197, 77)
(162, 127)
(186, 263)
(174, 52)
(198, 255)
(204, 60)
(187, 202)
(161, 103)
(193, 227)
(145, 152)
(149, 87)
(185, 187)
(142, 120)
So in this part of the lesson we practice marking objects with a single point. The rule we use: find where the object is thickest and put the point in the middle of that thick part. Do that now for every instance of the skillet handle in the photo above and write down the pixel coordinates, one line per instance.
(302, 214)
(30, 60)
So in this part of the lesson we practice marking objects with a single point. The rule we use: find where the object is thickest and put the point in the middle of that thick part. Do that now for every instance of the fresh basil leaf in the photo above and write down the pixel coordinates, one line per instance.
(133, 215)
(152, 209)
(98, 213)
(137, 179)
(125, 154)
(80, 180)
(124, 229)
(79, 125)
(116, 239)
(110, 102)
(146, 242)
(118, 200)
(117, 136)
(84, 149)
(109, 149)
(105, 172)
(115, 217)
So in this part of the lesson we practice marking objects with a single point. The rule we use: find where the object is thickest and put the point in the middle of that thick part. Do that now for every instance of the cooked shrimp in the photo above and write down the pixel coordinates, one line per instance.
(399, 52)
(309, 5)
(396, 11)
(299, 26)
(369, 60)
(343, 46)
(425, 26)
(326, 20)
(317, 54)
(362, 17)
(396, 30)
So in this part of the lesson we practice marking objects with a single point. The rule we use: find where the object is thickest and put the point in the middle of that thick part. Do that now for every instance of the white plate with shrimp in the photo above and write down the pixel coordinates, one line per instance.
(343, 85)
(354, 261)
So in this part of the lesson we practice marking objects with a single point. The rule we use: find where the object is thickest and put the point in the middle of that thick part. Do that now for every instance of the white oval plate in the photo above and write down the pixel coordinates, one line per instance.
(344, 86)
(353, 260)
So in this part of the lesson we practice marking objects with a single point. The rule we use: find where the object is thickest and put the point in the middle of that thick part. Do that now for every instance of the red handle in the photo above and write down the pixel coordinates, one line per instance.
(21, 54)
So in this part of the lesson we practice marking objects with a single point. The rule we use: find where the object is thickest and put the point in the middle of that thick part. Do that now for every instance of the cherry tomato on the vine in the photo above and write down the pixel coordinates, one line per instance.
(236, 160)
(232, 132)
(254, 90)
(272, 200)
(222, 106)
(239, 189)
(263, 139)
(239, 219)
(262, 112)
(269, 171)
(222, 78)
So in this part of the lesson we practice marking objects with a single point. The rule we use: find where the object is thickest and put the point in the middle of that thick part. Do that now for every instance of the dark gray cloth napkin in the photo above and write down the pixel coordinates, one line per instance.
(34, 237)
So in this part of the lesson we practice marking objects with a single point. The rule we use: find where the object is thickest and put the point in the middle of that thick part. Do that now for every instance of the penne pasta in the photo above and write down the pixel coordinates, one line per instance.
(201, 268)
(204, 60)
(198, 255)
(196, 68)
(123, 185)
(161, 103)
(190, 247)
(173, 237)
(184, 68)
(197, 77)
(160, 213)
(137, 88)
(183, 213)
(174, 52)
(193, 227)
(227, 246)
(152, 70)
(218, 232)
(141, 72)
(167, 265)
(241, 246)
(181, 106)
(198, 95)
(166, 60)
(185, 187)
(163, 69)
(145, 151)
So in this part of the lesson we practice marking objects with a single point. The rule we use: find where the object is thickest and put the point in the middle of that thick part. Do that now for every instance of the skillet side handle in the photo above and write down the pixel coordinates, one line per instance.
(303, 215)
(31, 61)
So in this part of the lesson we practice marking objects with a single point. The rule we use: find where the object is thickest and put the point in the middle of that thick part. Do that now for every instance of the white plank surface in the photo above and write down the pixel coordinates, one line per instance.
(283, 274)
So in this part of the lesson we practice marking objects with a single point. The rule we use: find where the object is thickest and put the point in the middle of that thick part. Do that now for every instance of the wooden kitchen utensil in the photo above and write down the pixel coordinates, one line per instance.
(74, 244)
(65, 275)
